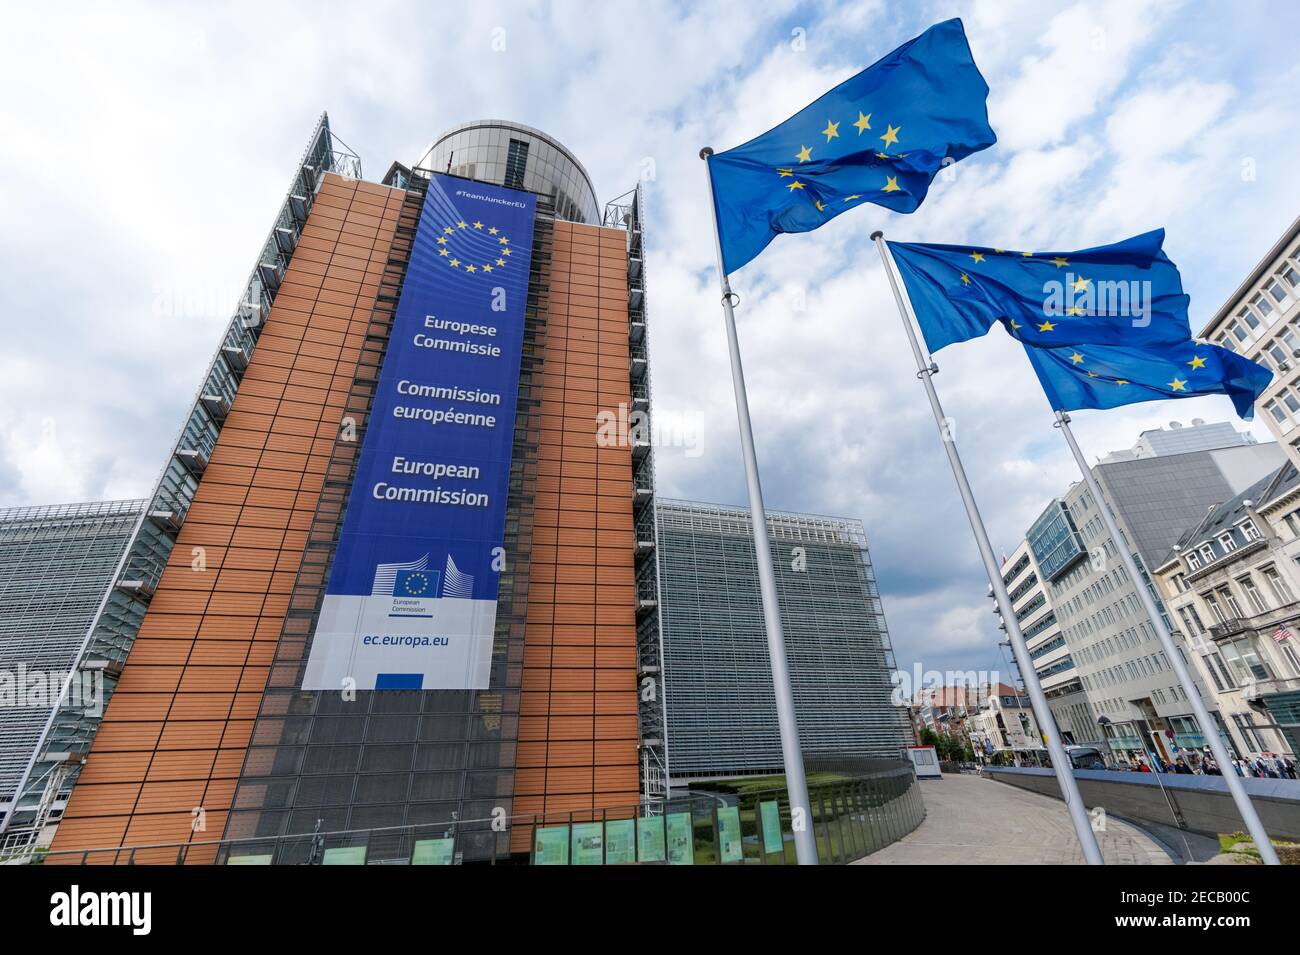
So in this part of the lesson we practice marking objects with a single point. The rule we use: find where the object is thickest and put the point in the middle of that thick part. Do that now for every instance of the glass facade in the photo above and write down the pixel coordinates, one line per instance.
(720, 708)
(518, 156)
(1055, 541)
(57, 564)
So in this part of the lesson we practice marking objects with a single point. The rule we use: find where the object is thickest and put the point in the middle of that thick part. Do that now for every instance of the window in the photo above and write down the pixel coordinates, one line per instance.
(1227, 543)
(1253, 596)
(1277, 584)
(1290, 275)
(1276, 411)
(1263, 305)
(1247, 316)
(1238, 332)
(1245, 662)
(1249, 530)
(1230, 601)
(1215, 609)
(1193, 561)
(1275, 289)
(1207, 553)
(516, 164)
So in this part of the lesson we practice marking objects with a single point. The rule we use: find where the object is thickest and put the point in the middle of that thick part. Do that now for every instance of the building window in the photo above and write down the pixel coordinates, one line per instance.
(1227, 543)
(516, 163)
(1253, 596)
(1215, 610)
(1278, 585)
(1230, 601)
(1249, 530)
(1193, 561)
(1207, 553)
(1245, 662)
(1290, 275)
(1263, 305)
(1275, 289)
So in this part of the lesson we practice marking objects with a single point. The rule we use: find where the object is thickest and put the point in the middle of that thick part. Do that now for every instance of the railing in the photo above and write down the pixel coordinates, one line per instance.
(851, 818)
(1235, 625)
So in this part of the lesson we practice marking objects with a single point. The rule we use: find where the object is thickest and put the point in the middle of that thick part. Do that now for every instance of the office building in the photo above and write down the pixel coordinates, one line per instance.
(1004, 728)
(1231, 582)
(1031, 601)
(1260, 320)
(1177, 439)
(247, 708)
(720, 711)
(68, 611)
(1112, 649)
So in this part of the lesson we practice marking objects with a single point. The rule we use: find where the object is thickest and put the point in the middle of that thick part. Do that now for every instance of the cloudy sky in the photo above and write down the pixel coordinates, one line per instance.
(146, 149)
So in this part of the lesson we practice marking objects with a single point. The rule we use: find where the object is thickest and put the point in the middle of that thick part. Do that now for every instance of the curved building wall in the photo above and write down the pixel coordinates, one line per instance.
(518, 156)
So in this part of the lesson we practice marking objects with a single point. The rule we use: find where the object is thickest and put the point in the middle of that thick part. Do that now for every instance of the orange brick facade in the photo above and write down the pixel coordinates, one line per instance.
(175, 733)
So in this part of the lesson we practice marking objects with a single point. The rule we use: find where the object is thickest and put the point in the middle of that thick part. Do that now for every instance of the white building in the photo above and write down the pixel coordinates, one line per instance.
(1232, 583)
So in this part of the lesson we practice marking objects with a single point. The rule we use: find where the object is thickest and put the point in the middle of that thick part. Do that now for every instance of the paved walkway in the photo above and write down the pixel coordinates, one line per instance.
(975, 821)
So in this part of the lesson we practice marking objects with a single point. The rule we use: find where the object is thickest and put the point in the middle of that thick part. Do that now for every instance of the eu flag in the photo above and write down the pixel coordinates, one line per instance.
(1122, 294)
(880, 136)
(1107, 376)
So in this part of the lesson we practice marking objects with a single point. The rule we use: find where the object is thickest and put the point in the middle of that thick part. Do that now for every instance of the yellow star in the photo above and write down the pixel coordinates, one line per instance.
(977, 256)
(506, 252)
(891, 184)
(1074, 310)
(501, 261)
(1080, 284)
(1178, 384)
(442, 240)
(503, 241)
(1046, 327)
(454, 262)
(852, 197)
(831, 131)
(470, 268)
(998, 251)
(478, 225)
(891, 135)
(785, 172)
(1092, 374)
(443, 252)
(461, 224)
(819, 205)
(804, 154)
(1077, 358)
(1027, 254)
(449, 230)
(1121, 381)
(1014, 324)
(1197, 362)
(487, 268)
(863, 123)
(883, 156)
(965, 279)
(1059, 262)
(492, 231)
(795, 185)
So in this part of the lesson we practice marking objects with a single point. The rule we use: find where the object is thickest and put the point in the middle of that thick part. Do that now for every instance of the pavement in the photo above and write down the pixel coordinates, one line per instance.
(974, 821)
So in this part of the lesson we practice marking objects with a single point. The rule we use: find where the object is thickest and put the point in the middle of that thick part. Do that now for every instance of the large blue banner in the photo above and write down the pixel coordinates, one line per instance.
(411, 600)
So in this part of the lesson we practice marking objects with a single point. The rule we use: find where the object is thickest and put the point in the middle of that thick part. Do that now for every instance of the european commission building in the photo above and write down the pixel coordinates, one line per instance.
(396, 596)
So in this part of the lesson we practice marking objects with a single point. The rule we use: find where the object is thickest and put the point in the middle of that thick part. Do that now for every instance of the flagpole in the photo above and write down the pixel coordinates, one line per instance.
(805, 842)
(1208, 726)
(1064, 768)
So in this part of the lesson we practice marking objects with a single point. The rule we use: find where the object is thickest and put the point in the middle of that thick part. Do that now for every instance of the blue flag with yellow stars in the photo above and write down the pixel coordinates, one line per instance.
(1107, 376)
(880, 136)
(1121, 294)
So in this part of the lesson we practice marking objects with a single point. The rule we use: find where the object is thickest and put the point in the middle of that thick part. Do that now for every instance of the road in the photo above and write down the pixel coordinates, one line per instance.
(975, 821)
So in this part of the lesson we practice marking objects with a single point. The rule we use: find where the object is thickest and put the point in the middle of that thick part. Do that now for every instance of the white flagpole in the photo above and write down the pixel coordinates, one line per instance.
(1208, 726)
(1064, 768)
(805, 842)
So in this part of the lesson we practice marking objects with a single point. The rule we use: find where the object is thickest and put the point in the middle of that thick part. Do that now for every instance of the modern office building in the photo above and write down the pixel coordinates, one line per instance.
(58, 570)
(260, 697)
(1112, 648)
(1177, 439)
(719, 705)
(1031, 601)
(1261, 320)
(1232, 582)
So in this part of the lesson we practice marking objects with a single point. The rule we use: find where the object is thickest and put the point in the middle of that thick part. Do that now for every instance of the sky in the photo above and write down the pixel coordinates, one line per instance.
(146, 149)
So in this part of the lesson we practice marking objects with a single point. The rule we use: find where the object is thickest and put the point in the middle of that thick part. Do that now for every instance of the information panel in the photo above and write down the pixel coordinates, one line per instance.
(551, 846)
(588, 844)
(681, 839)
(411, 599)
(729, 834)
(770, 815)
(620, 841)
(650, 839)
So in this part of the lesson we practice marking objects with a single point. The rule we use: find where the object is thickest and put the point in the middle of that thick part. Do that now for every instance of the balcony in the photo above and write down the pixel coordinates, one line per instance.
(1237, 625)
(1260, 690)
